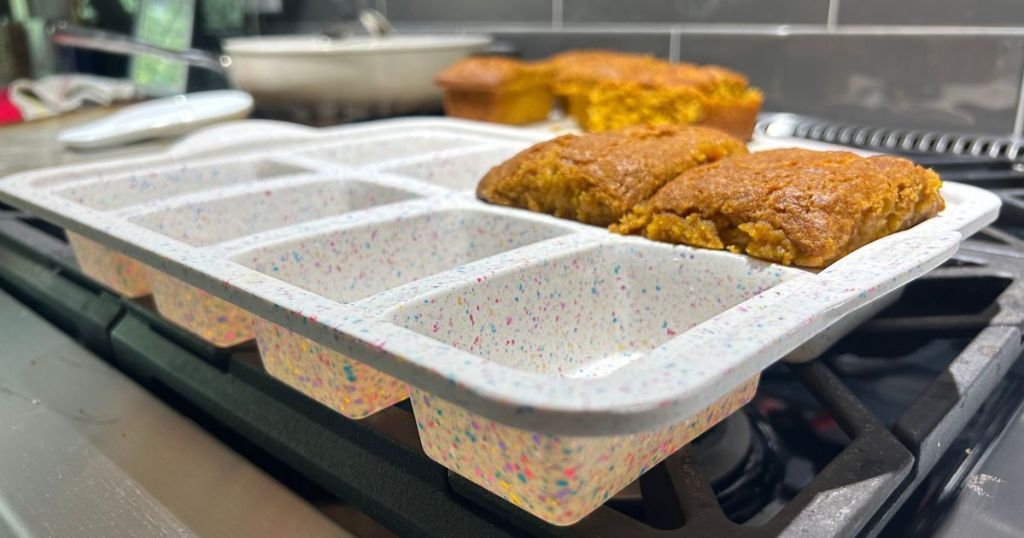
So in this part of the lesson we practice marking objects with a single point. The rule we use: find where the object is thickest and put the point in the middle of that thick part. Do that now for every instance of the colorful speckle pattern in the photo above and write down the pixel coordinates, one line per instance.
(138, 188)
(351, 264)
(588, 313)
(109, 267)
(591, 355)
(387, 148)
(209, 222)
(458, 172)
(211, 318)
(345, 385)
(559, 479)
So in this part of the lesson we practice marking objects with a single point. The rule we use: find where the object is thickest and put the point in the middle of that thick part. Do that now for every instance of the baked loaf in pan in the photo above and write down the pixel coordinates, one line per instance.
(497, 89)
(792, 206)
(604, 90)
(596, 178)
(576, 72)
(674, 94)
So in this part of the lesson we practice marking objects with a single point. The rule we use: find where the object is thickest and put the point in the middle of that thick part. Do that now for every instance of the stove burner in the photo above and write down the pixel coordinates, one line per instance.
(745, 481)
(741, 456)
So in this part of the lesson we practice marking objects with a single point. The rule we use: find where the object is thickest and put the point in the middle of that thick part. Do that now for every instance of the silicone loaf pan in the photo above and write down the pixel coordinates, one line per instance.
(548, 361)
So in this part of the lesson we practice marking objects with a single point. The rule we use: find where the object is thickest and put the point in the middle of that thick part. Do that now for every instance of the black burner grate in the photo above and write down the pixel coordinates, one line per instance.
(893, 140)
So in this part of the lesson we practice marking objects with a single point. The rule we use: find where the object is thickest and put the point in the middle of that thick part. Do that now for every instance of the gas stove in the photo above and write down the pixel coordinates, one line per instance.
(875, 437)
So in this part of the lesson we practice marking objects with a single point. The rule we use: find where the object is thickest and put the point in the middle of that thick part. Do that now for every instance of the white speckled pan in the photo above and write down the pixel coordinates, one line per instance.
(548, 361)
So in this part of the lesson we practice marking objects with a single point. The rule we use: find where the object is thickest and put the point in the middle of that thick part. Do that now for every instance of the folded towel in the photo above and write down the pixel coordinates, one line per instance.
(57, 94)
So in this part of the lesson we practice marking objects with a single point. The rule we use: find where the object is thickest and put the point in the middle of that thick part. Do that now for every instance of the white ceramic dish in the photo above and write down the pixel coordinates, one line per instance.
(384, 75)
(537, 351)
(356, 75)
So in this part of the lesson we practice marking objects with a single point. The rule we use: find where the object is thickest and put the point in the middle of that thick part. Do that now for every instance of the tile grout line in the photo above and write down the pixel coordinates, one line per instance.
(832, 17)
(673, 45)
(1018, 120)
(732, 29)
(557, 13)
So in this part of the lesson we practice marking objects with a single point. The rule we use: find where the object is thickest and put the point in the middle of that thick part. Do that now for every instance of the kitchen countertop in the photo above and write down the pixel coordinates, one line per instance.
(87, 452)
(24, 146)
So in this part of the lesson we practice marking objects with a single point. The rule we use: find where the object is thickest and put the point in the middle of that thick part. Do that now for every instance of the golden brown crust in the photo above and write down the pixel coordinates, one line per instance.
(605, 90)
(596, 178)
(511, 108)
(497, 89)
(708, 79)
(584, 61)
(576, 72)
(602, 90)
(734, 116)
(493, 73)
(792, 206)
(725, 77)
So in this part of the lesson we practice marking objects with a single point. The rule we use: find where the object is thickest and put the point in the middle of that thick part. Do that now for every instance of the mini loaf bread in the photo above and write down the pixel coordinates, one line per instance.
(576, 72)
(792, 206)
(674, 94)
(602, 90)
(497, 89)
(605, 90)
(596, 178)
